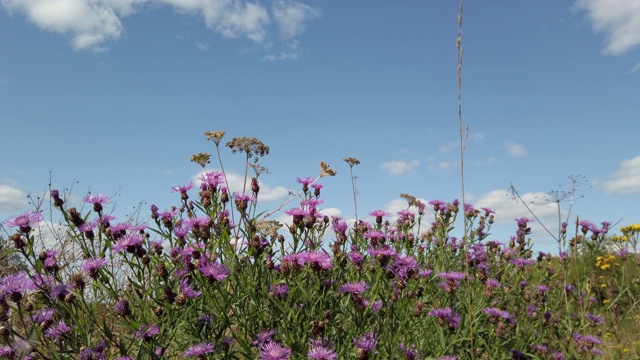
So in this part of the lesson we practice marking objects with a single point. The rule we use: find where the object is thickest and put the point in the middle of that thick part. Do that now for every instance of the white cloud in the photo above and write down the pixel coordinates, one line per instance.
(236, 183)
(202, 46)
(291, 16)
(232, 19)
(11, 199)
(513, 149)
(626, 180)
(619, 20)
(508, 209)
(487, 162)
(400, 167)
(282, 56)
(89, 23)
(92, 24)
(442, 165)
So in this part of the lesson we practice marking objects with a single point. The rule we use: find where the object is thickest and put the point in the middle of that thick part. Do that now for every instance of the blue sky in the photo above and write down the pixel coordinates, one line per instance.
(113, 96)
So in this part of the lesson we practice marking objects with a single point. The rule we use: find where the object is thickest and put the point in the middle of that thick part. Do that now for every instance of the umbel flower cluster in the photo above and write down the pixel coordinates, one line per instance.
(212, 279)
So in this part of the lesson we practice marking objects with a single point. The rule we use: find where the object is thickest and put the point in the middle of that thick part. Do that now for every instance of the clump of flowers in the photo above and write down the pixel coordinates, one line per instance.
(215, 276)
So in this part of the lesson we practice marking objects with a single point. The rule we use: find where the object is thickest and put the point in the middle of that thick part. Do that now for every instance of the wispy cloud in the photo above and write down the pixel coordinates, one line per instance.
(202, 46)
(507, 209)
(635, 68)
(452, 145)
(486, 162)
(626, 180)
(11, 199)
(400, 167)
(619, 20)
(236, 183)
(91, 25)
(513, 149)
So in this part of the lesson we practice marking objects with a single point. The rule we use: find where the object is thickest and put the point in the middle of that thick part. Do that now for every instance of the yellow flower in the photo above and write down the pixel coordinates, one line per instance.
(603, 285)
(606, 301)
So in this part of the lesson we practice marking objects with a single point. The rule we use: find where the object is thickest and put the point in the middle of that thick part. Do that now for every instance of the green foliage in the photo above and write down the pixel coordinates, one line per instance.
(394, 288)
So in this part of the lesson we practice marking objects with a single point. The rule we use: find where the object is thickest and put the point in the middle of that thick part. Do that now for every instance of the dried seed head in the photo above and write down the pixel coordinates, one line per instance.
(248, 145)
(326, 170)
(351, 161)
(412, 200)
(214, 136)
(201, 158)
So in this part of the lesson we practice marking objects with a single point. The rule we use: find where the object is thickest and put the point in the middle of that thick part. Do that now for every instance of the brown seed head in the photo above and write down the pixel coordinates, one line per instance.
(326, 170)
(352, 161)
(201, 158)
(248, 145)
(216, 137)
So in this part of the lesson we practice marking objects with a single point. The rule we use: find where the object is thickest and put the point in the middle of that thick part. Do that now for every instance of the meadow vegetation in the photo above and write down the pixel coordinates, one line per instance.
(211, 278)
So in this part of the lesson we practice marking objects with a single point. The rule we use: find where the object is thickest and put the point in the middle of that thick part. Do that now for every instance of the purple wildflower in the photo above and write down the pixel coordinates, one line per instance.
(210, 180)
(278, 291)
(26, 221)
(354, 287)
(594, 319)
(97, 201)
(375, 306)
(122, 307)
(198, 350)
(321, 350)
(338, 225)
(130, 243)
(452, 275)
(623, 253)
(187, 290)
(92, 265)
(213, 271)
(356, 258)
(404, 267)
(446, 316)
(496, 313)
(182, 188)
(274, 351)
(521, 262)
(522, 222)
(366, 343)
(57, 331)
(42, 316)
(438, 205)
(379, 213)
(147, 332)
(15, 286)
(448, 357)
(264, 337)
(317, 259)
(306, 181)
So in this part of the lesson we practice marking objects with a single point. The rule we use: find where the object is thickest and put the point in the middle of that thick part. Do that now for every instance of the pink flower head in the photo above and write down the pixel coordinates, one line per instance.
(91, 266)
(97, 199)
(380, 213)
(26, 221)
(354, 287)
(182, 188)
(57, 331)
(306, 181)
(366, 343)
(211, 180)
(274, 351)
(199, 350)
(15, 286)
(147, 331)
